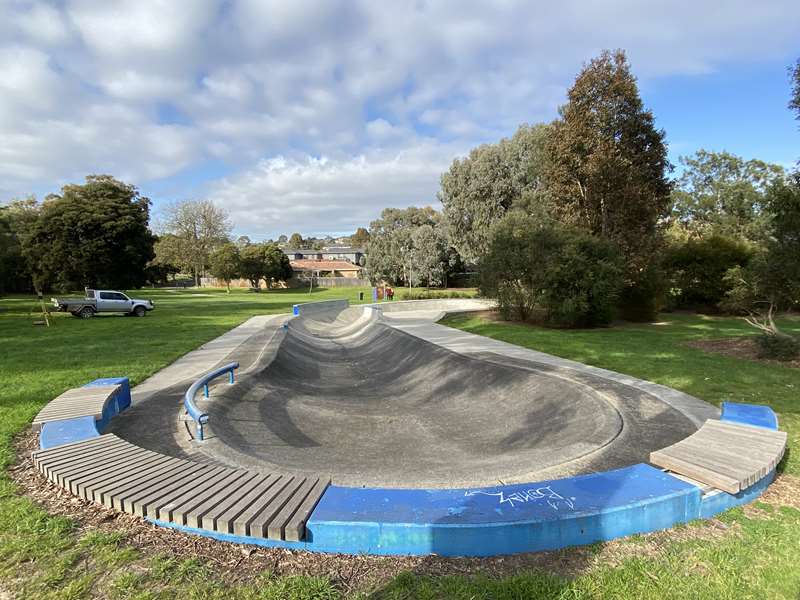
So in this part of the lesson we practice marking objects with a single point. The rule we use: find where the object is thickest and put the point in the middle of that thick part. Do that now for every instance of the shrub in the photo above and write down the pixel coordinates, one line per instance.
(572, 277)
(778, 346)
(641, 300)
(434, 294)
(696, 270)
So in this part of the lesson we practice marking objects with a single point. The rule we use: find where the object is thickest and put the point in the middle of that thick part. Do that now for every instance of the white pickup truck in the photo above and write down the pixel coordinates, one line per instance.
(101, 301)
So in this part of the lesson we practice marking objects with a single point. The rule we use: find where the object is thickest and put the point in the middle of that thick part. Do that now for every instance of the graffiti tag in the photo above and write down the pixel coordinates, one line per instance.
(553, 498)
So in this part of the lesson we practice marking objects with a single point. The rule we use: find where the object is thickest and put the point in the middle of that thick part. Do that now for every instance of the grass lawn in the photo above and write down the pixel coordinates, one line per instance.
(748, 553)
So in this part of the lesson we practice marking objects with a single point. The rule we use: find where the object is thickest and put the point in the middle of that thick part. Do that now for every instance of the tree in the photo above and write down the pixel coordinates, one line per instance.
(16, 219)
(391, 254)
(569, 275)
(282, 239)
(200, 226)
(429, 255)
(478, 190)
(606, 162)
(723, 194)
(360, 238)
(794, 103)
(296, 241)
(225, 263)
(264, 261)
(697, 269)
(95, 234)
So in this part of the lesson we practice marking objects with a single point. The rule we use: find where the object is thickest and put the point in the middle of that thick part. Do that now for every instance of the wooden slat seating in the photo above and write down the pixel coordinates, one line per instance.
(121, 475)
(76, 403)
(728, 456)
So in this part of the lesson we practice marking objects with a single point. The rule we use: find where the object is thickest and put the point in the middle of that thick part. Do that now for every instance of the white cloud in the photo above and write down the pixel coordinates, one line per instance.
(388, 92)
(328, 195)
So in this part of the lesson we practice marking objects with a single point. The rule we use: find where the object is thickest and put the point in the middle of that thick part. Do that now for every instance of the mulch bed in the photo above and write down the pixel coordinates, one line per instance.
(235, 563)
(739, 347)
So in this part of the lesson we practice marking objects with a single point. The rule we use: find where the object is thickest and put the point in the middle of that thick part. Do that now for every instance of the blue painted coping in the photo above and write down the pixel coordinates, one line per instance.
(749, 414)
(493, 520)
(56, 433)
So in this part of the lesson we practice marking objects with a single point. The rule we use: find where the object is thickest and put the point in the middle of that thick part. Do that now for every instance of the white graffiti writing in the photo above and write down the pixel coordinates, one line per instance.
(523, 496)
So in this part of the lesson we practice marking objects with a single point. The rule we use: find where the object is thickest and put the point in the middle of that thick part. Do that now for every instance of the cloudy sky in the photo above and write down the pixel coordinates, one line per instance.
(312, 116)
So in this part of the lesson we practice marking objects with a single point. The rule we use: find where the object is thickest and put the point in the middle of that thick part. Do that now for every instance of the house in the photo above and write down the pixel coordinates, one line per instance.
(340, 253)
(306, 269)
(347, 253)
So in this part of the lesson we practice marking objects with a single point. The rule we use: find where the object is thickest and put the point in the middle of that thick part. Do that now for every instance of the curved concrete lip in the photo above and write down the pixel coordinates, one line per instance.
(372, 402)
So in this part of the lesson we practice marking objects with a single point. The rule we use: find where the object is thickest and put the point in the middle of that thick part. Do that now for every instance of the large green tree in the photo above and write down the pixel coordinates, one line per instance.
(264, 261)
(16, 219)
(225, 263)
(568, 276)
(479, 189)
(408, 246)
(199, 226)
(95, 234)
(722, 194)
(606, 168)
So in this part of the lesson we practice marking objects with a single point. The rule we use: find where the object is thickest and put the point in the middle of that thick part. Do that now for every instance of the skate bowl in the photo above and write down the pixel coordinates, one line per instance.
(373, 429)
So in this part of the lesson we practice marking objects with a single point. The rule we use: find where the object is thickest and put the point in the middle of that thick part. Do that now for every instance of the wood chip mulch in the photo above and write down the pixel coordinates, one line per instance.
(739, 347)
(235, 563)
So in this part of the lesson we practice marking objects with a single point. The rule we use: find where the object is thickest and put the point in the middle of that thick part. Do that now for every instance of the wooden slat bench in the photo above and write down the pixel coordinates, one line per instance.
(76, 403)
(728, 456)
(121, 475)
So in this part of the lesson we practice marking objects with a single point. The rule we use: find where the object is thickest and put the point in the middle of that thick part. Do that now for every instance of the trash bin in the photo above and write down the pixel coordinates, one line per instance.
(361, 296)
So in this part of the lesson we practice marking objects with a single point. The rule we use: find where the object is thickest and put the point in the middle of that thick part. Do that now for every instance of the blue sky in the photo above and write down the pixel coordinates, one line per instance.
(311, 117)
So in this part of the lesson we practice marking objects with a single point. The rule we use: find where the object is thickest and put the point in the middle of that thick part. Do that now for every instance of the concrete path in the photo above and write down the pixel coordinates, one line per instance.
(197, 362)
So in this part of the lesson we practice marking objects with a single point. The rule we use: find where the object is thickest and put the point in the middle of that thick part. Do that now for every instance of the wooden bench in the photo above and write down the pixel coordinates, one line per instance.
(75, 403)
(121, 475)
(728, 456)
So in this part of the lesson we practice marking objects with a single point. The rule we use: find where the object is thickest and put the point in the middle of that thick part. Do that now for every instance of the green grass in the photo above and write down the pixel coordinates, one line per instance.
(43, 556)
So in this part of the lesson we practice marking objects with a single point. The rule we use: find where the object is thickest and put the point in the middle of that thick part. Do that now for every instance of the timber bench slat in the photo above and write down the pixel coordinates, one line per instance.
(75, 403)
(120, 475)
(729, 456)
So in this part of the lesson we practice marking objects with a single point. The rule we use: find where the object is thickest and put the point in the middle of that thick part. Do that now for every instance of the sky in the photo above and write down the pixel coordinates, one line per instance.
(312, 116)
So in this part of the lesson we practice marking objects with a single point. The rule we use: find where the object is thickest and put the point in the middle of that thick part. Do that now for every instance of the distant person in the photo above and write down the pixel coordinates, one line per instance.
(390, 293)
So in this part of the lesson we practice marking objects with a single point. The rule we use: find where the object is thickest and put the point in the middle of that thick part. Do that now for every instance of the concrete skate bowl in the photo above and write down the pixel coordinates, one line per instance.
(348, 394)
(437, 442)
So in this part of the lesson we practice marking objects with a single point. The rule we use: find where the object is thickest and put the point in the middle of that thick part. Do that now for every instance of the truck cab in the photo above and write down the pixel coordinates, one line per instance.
(112, 301)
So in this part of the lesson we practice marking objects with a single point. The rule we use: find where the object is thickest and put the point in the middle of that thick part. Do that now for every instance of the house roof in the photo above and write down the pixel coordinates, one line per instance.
(323, 265)
(342, 250)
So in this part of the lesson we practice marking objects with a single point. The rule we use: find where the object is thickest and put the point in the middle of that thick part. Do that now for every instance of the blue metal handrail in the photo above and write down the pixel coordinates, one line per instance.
(188, 398)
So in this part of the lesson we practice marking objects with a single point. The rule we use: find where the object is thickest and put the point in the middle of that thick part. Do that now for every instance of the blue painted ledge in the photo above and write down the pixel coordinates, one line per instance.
(56, 433)
(749, 414)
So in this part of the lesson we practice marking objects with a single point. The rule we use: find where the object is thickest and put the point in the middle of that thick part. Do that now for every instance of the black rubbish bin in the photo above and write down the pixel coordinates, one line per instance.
(361, 295)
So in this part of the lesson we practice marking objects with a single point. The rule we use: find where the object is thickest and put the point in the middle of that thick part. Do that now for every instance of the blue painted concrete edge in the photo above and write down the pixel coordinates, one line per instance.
(545, 515)
(56, 433)
(749, 414)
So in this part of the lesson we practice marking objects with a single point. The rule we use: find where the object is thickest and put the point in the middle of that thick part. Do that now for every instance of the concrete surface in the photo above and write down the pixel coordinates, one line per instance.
(389, 398)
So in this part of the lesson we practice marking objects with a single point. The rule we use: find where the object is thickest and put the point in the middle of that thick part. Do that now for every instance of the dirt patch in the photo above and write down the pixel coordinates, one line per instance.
(236, 563)
(739, 347)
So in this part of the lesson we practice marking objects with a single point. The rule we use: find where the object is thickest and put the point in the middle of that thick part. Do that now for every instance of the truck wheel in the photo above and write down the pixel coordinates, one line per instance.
(139, 311)
(86, 313)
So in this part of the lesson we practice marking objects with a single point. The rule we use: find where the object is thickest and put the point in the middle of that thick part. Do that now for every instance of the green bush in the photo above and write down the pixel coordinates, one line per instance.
(434, 294)
(778, 346)
(696, 270)
(570, 276)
